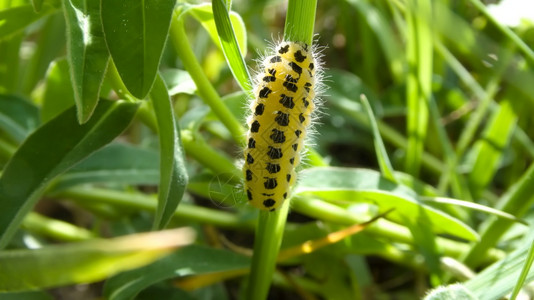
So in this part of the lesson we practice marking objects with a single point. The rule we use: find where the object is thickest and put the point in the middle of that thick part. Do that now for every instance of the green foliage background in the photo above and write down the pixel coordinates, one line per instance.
(122, 117)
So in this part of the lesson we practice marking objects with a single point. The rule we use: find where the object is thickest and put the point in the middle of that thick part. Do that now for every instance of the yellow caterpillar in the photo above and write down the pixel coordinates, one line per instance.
(280, 115)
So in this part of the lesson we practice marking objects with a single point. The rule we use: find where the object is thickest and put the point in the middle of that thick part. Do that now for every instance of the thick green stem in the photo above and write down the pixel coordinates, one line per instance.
(205, 89)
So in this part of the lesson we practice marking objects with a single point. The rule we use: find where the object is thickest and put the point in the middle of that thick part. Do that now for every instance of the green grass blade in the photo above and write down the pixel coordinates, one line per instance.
(385, 36)
(489, 149)
(87, 53)
(51, 150)
(515, 201)
(383, 160)
(83, 262)
(419, 81)
(524, 272)
(135, 33)
(499, 279)
(230, 45)
(173, 175)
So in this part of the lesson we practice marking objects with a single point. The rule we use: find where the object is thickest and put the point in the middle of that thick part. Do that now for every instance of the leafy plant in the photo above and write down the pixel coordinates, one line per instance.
(120, 117)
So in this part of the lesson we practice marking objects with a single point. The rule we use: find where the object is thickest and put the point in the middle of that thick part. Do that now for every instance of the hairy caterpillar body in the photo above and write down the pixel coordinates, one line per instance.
(280, 114)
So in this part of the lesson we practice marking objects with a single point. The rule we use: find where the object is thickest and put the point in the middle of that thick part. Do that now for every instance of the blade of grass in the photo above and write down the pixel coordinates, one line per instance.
(230, 46)
(419, 81)
(489, 149)
(383, 160)
(524, 272)
(515, 201)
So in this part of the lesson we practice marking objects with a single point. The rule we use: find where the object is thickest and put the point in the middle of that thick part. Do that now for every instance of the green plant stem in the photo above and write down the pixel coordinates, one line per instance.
(300, 20)
(205, 89)
(196, 147)
(382, 228)
(55, 229)
(268, 238)
(117, 84)
(186, 213)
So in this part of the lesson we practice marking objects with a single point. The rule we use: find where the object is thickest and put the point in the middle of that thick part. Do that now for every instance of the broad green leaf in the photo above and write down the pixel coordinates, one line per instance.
(51, 150)
(516, 201)
(135, 33)
(58, 92)
(230, 45)
(498, 280)
(363, 185)
(187, 261)
(87, 53)
(18, 117)
(455, 291)
(173, 175)
(83, 262)
(488, 150)
(117, 163)
(16, 19)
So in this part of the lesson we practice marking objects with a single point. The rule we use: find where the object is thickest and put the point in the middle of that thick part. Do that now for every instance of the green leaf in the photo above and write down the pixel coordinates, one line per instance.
(37, 295)
(230, 45)
(51, 150)
(516, 201)
(135, 33)
(83, 262)
(383, 160)
(455, 291)
(58, 92)
(368, 186)
(489, 150)
(15, 19)
(187, 261)
(498, 280)
(18, 117)
(173, 175)
(87, 53)
(117, 163)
